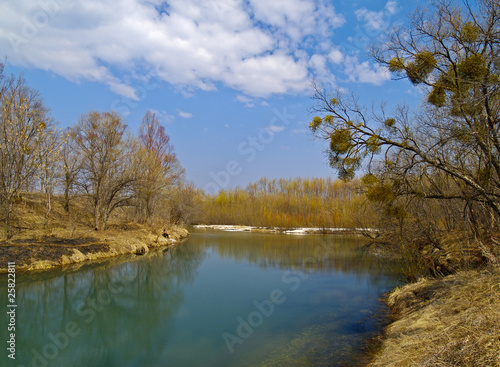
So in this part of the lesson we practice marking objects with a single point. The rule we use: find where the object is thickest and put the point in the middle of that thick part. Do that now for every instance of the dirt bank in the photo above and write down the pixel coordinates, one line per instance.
(453, 321)
(45, 252)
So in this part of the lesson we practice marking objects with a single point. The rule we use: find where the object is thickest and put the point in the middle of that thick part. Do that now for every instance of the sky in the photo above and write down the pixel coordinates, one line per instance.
(229, 79)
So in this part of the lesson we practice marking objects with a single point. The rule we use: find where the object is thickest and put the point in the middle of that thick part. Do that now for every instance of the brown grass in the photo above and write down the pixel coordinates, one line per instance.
(453, 321)
(65, 238)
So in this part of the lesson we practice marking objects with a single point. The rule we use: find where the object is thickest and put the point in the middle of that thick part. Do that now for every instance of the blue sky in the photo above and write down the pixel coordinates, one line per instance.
(229, 79)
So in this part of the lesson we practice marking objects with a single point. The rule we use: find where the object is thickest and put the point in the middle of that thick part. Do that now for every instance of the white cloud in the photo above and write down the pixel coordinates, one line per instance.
(264, 75)
(164, 117)
(297, 17)
(249, 102)
(336, 56)
(275, 128)
(250, 46)
(391, 6)
(364, 72)
(377, 20)
(374, 20)
(318, 63)
(186, 115)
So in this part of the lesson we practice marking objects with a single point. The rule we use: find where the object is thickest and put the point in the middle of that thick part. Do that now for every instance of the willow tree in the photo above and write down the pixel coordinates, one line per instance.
(450, 50)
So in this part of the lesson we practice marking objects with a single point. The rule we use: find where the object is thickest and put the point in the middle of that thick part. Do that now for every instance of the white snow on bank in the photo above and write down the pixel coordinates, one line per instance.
(296, 231)
(227, 228)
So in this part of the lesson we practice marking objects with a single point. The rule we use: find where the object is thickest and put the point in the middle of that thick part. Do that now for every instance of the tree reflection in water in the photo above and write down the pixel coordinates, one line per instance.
(172, 307)
(324, 253)
(113, 305)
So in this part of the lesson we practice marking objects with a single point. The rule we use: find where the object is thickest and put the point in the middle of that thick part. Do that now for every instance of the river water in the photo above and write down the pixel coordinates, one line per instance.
(217, 299)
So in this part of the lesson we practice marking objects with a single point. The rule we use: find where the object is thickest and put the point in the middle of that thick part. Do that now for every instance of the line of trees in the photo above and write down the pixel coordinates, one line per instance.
(440, 166)
(299, 202)
(98, 159)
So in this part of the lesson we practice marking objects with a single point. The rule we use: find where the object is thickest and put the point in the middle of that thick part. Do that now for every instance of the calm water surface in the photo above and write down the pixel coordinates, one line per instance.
(217, 299)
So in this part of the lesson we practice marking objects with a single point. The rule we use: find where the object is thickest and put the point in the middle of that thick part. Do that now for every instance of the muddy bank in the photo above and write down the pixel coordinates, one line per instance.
(453, 321)
(47, 252)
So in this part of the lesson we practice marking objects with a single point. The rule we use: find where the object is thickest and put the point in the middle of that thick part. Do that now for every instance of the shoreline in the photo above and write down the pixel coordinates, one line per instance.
(283, 230)
(447, 321)
(49, 252)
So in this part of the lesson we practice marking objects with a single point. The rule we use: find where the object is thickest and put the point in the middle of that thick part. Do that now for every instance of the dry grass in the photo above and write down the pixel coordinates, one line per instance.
(453, 321)
(62, 238)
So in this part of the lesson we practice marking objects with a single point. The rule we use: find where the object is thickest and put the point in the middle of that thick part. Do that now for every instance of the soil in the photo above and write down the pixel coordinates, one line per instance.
(25, 252)
(48, 251)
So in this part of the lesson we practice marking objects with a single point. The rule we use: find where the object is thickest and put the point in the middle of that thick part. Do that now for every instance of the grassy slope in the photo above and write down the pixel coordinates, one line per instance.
(453, 321)
(66, 238)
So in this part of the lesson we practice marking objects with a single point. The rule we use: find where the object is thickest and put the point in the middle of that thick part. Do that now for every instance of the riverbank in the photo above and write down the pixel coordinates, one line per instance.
(452, 321)
(291, 231)
(38, 252)
(42, 239)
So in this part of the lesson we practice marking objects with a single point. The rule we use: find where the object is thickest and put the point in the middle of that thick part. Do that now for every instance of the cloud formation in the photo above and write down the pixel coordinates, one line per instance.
(186, 115)
(258, 47)
(377, 20)
(364, 72)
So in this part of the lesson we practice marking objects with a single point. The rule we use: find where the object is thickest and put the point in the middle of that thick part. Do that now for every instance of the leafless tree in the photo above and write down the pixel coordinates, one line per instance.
(71, 165)
(24, 121)
(107, 172)
(158, 168)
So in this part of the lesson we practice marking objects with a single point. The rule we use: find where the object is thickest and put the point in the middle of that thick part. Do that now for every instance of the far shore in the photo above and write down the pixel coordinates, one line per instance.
(290, 231)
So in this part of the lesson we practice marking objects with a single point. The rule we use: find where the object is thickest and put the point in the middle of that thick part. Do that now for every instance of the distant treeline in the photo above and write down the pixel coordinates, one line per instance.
(298, 202)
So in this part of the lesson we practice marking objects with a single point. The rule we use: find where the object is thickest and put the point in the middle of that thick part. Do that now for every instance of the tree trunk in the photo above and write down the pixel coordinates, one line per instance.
(97, 217)
(8, 233)
(66, 195)
(101, 215)
(48, 197)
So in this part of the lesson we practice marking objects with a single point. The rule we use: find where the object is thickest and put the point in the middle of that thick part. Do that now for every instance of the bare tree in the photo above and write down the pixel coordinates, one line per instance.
(24, 122)
(49, 156)
(71, 165)
(157, 166)
(184, 203)
(107, 172)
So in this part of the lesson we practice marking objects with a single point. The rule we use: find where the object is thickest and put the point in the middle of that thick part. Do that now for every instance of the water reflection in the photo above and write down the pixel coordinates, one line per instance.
(173, 307)
(108, 315)
(324, 253)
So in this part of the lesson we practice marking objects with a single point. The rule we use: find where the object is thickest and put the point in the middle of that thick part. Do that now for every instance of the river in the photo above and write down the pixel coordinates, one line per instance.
(217, 299)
